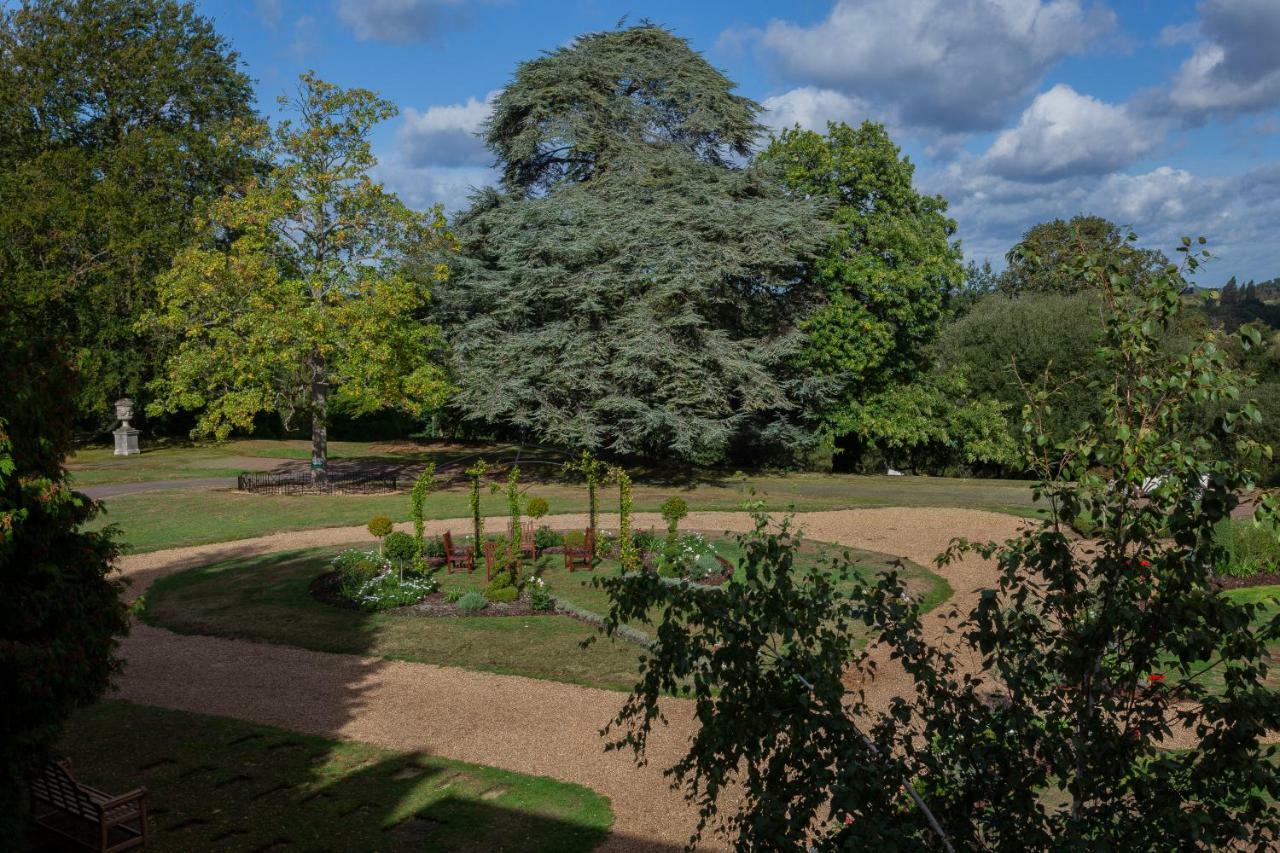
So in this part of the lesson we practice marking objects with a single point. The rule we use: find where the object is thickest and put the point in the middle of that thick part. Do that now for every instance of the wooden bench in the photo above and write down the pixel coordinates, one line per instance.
(85, 815)
(457, 559)
(583, 555)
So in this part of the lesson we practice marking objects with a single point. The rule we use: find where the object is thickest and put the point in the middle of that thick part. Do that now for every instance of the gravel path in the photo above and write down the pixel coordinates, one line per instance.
(520, 724)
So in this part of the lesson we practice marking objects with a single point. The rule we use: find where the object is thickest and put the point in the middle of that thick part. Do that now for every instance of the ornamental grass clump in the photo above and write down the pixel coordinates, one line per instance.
(472, 603)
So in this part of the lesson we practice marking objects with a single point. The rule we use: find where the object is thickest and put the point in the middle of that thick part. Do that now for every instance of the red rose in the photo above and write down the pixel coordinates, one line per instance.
(1155, 678)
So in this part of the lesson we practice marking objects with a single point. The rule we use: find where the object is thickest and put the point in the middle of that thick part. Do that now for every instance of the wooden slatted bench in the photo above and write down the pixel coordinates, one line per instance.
(87, 816)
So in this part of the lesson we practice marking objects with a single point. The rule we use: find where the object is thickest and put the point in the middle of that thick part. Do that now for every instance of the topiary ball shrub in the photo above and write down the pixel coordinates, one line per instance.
(673, 509)
(380, 526)
(537, 507)
(399, 547)
(471, 603)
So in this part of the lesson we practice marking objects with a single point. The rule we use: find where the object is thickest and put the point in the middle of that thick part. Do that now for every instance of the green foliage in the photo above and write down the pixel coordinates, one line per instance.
(540, 596)
(400, 548)
(536, 507)
(380, 526)
(1089, 659)
(292, 288)
(453, 596)
(574, 537)
(646, 307)
(591, 470)
(1248, 547)
(513, 510)
(1049, 256)
(476, 474)
(544, 537)
(116, 118)
(628, 556)
(472, 603)
(1005, 344)
(418, 499)
(501, 595)
(672, 510)
(61, 618)
(646, 541)
(931, 424)
(577, 111)
(880, 283)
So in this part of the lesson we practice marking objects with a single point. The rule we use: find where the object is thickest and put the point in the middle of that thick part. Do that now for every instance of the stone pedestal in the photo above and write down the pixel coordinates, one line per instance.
(126, 441)
(126, 436)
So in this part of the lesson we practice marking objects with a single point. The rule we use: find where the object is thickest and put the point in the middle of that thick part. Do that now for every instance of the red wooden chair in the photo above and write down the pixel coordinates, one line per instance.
(458, 559)
(581, 556)
(528, 541)
(490, 549)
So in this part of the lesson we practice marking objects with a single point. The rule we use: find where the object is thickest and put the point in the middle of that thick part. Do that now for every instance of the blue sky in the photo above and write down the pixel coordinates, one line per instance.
(1163, 115)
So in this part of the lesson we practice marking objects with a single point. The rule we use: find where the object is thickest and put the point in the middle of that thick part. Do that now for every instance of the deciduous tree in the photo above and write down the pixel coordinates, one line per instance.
(290, 300)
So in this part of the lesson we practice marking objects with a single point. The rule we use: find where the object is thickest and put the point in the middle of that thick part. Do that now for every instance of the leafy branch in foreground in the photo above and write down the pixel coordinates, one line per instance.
(1070, 708)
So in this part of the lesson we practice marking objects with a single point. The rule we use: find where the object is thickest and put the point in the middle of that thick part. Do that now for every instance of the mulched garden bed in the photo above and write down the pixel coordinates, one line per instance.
(1260, 579)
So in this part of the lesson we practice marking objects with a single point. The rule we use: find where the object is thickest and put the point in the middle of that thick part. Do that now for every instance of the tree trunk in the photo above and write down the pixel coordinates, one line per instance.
(319, 420)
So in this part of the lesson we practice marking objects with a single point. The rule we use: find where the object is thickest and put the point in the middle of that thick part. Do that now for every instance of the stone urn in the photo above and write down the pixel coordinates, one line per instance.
(126, 436)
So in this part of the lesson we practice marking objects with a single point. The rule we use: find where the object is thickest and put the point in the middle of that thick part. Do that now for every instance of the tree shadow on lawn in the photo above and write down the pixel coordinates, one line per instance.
(221, 784)
(263, 793)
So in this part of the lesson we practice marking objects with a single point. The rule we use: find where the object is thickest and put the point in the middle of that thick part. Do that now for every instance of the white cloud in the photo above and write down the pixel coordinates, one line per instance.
(400, 21)
(812, 108)
(1235, 67)
(1239, 215)
(950, 65)
(421, 187)
(1065, 133)
(445, 135)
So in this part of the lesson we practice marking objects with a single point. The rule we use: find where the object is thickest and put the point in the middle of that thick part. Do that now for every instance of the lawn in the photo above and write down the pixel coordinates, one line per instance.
(219, 784)
(267, 599)
(169, 518)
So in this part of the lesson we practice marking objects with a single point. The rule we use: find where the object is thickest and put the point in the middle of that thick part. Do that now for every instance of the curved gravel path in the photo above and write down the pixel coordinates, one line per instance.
(517, 723)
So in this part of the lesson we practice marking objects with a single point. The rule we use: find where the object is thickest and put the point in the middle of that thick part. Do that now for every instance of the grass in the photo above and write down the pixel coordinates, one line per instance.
(219, 784)
(1251, 547)
(267, 599)
(177, 517)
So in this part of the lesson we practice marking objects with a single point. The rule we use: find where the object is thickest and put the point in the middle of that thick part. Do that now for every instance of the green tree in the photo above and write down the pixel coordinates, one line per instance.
(1089, 658)
(292, 288)
(883, 277)
(643, 305)
(61, 617)
(116, 118)
(583, 108)
(1048, 257)
(1230, 292)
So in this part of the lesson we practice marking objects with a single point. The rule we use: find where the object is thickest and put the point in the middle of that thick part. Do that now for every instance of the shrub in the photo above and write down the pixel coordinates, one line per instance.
(432, 548)
(1250, 548)
(536, 507)
(574, 537)
(540, 597)
(544, 537)
(502, 580)
(452, 596)
(646, 541)
(472, 602)
(673, 509)
(399, 547)
(379, 526)
(504, 595)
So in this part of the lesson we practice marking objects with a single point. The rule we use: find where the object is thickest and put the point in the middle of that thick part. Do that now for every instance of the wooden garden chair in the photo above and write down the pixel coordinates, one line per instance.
(528, 541)
(581, 556)
(490, 559)
(89, 817)
(458, 559)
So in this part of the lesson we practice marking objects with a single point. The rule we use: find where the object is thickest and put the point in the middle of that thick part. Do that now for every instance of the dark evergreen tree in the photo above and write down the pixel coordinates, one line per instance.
(1251, 292)
(631, 292)
(1230, 292)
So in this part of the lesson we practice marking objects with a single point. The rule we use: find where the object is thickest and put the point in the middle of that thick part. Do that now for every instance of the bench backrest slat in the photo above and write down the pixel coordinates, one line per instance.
(57, 788)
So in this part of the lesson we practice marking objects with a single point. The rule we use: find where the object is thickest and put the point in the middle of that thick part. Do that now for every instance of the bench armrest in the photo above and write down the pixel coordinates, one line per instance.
(123, 799)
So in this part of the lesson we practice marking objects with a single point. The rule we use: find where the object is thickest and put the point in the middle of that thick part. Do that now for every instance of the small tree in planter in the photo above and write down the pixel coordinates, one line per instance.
(536, 508)
(380, 527)
(476, 472)
(591, 469)
(628, 556)
(673, 510)
(401, 549)
(418, 499)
